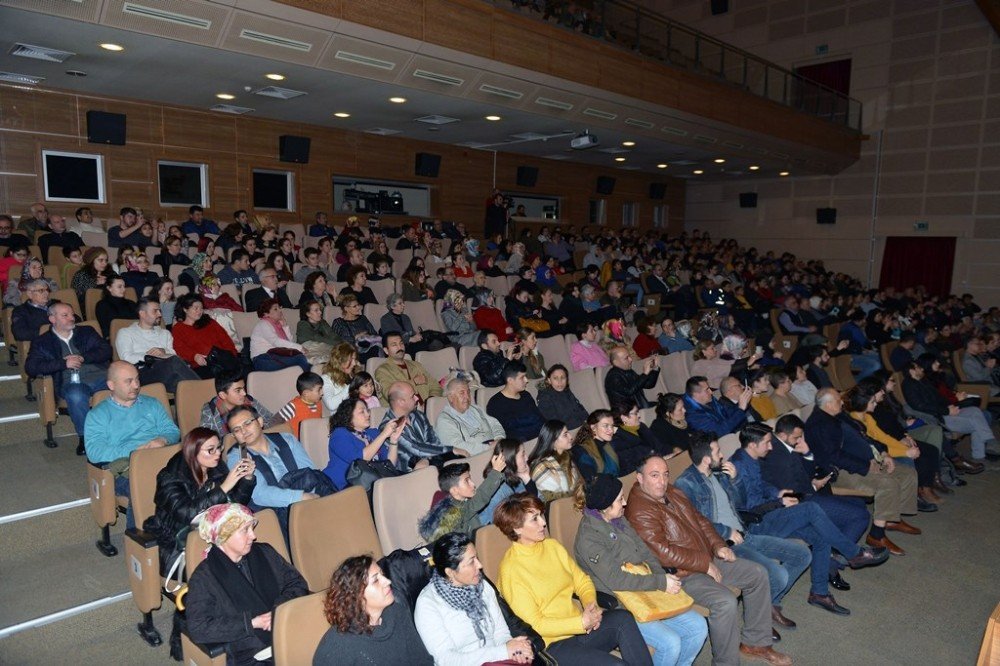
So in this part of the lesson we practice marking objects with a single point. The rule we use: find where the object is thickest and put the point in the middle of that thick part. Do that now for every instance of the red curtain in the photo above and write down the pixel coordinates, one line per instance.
(835, 75)
(911, 261)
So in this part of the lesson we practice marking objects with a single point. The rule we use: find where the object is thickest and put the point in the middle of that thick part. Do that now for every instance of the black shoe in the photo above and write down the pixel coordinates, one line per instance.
(925, 506)
(992, 456)
(81, 449)
(827, 603)
(837, 582)
(960, 482)
(868, 557)
(775, 636)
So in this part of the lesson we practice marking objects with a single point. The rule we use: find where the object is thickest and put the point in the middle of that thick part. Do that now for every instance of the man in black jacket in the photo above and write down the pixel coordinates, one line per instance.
(28, 317)
(57, 237)
(490, 361)
(269, 289)
(622, 382)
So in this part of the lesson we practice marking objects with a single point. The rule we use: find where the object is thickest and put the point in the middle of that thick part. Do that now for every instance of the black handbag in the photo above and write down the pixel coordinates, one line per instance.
(365, 473)
(223, 363)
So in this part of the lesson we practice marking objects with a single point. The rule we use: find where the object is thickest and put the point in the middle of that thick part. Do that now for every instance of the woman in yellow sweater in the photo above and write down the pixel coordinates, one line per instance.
(538, 578)
(761, 400)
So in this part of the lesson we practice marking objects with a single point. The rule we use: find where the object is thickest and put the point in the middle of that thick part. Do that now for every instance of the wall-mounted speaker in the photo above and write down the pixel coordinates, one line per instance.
(748, 199)
(427, 164)
(527, 176)
(826, 216)
(605, 184)
(293, 149)
(657, 190)
(719, 7)
(104, 127)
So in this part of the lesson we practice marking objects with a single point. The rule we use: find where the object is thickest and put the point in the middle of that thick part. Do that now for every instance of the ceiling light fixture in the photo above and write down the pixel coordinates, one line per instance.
(719, 160)
(662, 165)
(754, 167)
(784, 173)
(108, 46)
(225, 96)
(275, 77)
(398, 100)
(619, 159)
(697, 172)
(628, 144)
(342, 114)
(493, 118)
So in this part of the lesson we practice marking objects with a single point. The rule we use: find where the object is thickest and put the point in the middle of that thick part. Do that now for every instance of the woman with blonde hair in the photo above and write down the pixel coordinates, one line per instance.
(337, 374)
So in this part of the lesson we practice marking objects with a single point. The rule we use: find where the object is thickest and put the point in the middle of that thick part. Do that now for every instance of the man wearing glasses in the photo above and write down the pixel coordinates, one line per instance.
(7, 236)
(28, 317)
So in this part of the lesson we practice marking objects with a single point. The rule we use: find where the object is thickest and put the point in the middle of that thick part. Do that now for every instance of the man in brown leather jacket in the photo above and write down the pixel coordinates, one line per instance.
(682, 538)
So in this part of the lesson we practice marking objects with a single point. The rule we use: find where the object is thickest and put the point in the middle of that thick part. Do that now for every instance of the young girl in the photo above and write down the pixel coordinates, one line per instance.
(362, 387)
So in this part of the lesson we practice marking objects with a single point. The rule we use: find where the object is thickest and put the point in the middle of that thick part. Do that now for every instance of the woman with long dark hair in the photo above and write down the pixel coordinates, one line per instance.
(196, 335)
(113, 304)
(352, 438)
(592, 451)
(552, 467)
(516, 475)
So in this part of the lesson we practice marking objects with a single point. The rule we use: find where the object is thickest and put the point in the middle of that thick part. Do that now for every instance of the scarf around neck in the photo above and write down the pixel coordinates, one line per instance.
(468, 599)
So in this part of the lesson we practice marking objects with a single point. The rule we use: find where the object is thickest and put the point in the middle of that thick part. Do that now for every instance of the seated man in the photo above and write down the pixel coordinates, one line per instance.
(419, 445)
(819, 359)
(670, 339)
(864, 359)
(490, 361)
(125, 422)
(514, 407)
(979, 366)
(706, 413)
(459, 510)
(197, 223)
(311, 265)
(150, 348)
(280, 461)
(8, 239)
(238, 272)
(400, 369)
(57, 237)
(622, 383)
(446, 281)
(732, 391)
(585, 352)
(782, 515)
(230, 393)
(128, 231)
(792, 321)
(902, 355)
(683, 539)
(268, 289)
(837, 442)
(466, 425)
(77, 359)
(28, 318)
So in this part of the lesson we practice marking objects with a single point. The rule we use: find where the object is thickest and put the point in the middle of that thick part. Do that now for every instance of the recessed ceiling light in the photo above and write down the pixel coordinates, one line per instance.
(112, 47)
(619, 159)
(697, 172)
(628, 144)
(342, 114)
(275, 77)
(398, 100)
(662, 165)
(719, 160)
(225, 96)
(784, 173)
(754, 167)
(493, 118)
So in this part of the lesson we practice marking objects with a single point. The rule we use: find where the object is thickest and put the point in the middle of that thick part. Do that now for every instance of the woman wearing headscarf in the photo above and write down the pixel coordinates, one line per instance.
(191, 277)
(232, 594)
(458, 320)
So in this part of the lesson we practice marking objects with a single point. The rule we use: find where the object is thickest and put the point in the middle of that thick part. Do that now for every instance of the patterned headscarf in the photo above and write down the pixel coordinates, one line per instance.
(217, 523)
(197, 262)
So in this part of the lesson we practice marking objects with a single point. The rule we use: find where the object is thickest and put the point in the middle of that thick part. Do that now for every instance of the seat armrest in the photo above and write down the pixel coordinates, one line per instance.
(213, 650)
(144, 539)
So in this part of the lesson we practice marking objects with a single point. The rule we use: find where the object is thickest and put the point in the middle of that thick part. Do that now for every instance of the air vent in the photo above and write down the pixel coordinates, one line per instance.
(500, 92)
(40, 53)
(364, 61)
(231, 108)
(732, 144)
(529, 136)
(634, 122)
(279, 93)
(11, 77)
(274, 40)
(630, 168)
(443, 79)
(701, 138)
(437, 120)
(553, 103)
(675, 131)
(382, 131)
(597, 113)
(163, 15)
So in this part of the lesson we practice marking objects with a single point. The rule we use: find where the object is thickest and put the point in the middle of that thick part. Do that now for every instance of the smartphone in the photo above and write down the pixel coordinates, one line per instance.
(797, 496)
(758, 350)
(243, 452)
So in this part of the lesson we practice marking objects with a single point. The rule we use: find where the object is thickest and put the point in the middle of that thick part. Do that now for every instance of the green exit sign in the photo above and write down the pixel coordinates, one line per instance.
(921, 226)
(822, 49)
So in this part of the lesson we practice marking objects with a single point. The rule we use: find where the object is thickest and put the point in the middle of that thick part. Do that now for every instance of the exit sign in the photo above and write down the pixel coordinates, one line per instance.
(921, 226)
(822, 49)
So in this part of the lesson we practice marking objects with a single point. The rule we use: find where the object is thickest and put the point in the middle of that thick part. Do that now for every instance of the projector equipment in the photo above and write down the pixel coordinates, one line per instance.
(583, 141)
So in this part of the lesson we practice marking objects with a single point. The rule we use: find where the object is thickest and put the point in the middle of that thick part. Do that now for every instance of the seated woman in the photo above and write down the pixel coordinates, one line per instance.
(357, 278)
(191, 277)
(214, 298)
(194, 479)
(315, 288)
(276, 260)
(670, 427)
(312, 327)
(557, 401)
(559, 324)
(170, 254)
(197, 336)
(337, 373)
(592, 451)
(352, 438)
(538, 578)
(271, 343)
(645, 343)
(32, 269)
(781, 396)
(355, 328)
(633, 441)
(233, 603)
(397, 321)
(517, 476)
(414, 285)
(458, 614)
(759, 381)
(114, 305)
(803, 389)
(530, 356)
(552, 467)
(488, 317)
(458, 320)
(616, 558)
(138, 276)
(708, 364)
(367, 624)
(93, 274)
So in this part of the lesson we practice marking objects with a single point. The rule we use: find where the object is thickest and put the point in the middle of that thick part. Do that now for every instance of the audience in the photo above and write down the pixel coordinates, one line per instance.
(459, 508)
(585, 352)
(623, 383)
(551, 463)
(397, 368)
(592, 451)
(670, 426)
(201, 341)
(464, 424)
(28, 317)
(704, 412)
(514, 407)
(458, 319)
(305, 405)
(150, 348)
(352, 439)
(490, 362)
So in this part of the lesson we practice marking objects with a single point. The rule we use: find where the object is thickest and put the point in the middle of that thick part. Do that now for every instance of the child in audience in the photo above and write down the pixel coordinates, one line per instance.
(306, 405)
(74, 257)
(459, 510)
(362, 387)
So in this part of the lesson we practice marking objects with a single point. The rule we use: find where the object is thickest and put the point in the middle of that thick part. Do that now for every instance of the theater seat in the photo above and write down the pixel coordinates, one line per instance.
(491, 546)
(728, 445)
(274, 389)
(315, 437)
(438, 363)
(399, 503)
(191, 396)
(564, 521)
(298, 627)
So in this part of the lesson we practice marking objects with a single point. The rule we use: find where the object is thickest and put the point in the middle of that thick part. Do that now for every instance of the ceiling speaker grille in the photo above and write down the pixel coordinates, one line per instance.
(158, 14)
(501, 92)
(597, 113)
(11, 77)
(275, 40)
(366, 61)
(40, 53)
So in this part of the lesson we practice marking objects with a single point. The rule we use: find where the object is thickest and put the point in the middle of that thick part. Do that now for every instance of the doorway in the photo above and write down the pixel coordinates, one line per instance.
(910, 261)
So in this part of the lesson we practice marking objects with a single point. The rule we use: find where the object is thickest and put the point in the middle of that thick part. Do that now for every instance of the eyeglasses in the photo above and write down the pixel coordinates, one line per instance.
(213, 450)
(242, 426)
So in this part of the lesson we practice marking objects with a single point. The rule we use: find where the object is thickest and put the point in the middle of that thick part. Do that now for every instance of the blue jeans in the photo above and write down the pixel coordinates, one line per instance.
(784, 560)
(123, 489)
(271, 362)
(849, 514)
(808, 522)
(865, 364)
(675, 641)
(77, 397)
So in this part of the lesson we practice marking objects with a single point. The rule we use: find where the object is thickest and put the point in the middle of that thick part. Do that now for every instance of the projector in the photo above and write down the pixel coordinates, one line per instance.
(583, 141)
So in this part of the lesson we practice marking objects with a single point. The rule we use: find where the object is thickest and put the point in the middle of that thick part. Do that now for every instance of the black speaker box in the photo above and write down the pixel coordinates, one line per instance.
(293, 149)
(748, 199)
(826, 216)
(605, 184)
(657, 190)
(427, 164)
(527, 176)
(719, 7)
(104, 127)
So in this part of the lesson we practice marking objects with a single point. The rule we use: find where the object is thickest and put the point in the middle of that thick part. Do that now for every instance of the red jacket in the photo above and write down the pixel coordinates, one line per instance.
(490, 319)
(189, 341)
(645, 345)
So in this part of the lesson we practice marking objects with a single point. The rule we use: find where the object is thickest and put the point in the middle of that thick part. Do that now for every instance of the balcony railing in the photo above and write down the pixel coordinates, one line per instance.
(655, 36)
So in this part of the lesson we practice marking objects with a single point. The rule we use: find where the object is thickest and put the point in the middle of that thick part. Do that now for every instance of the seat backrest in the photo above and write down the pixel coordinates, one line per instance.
(886, 351)
(422, 314)
(842, 377)
(957, 357)
(438, 363)
(91, 298)
(678, 464)
(435, 405)
(484, 394)
(786, 344)
(67, 296)
(466, 355)
(555, 350)
(491, 546)
(315, 437)
(144, 465)
(116, 326)
(584, 385)
(299, 626)
(382, 289)
(564, 521)
(372, 364)
(627, 482)
(478, 464)
(399, 503)
(191, 396)
(324, 532)
(273, 389)
(728, 444)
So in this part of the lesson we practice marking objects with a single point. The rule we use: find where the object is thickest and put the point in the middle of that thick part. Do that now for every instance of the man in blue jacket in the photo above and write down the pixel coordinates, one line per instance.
(707, 414)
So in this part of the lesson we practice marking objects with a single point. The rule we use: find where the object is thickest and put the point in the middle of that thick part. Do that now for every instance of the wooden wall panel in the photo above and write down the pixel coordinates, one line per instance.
(401, 18)
(468, 28)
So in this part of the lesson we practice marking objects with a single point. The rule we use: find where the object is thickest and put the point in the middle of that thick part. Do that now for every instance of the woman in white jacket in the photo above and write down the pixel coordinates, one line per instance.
(458, 616)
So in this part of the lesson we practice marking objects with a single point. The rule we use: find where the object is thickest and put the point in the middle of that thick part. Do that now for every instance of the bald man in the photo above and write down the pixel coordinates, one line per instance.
(419, 443)
(125, 422)
(38, 221)
(622, 382)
